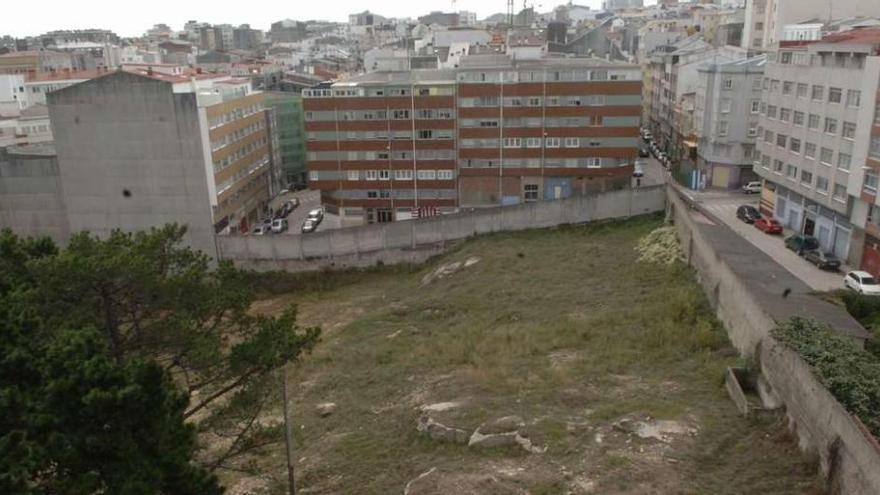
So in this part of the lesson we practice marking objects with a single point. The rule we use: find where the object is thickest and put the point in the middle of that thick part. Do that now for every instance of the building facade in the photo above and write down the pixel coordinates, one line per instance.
(728, 99)
(140, 148)
(766, 19)
(814, 136)
(391, 146)
(291, 135)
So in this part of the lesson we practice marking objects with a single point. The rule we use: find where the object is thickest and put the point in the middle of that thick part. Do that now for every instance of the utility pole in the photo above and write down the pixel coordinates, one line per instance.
(288, 435)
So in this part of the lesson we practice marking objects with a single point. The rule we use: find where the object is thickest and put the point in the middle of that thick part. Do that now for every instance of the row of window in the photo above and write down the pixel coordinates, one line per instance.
(393, 91)
(805, 177)
(813, 121)
(245, 171)
(238, 154)
(590, 120)
(406, 174)
(589, 162)
(549, 75)
(236, 136)
(839, 60)
(550, 142)
(234, 115)
(533, 101)
(853, 97)
(825, 156)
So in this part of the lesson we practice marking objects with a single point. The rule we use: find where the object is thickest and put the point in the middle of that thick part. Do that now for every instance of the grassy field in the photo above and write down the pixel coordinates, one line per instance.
(562, 327)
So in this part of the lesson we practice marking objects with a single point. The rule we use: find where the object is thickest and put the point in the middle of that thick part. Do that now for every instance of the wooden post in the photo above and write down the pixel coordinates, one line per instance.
(288, 436)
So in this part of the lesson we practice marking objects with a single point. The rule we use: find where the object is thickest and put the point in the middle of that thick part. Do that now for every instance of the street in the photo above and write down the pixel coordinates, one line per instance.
(308, 200)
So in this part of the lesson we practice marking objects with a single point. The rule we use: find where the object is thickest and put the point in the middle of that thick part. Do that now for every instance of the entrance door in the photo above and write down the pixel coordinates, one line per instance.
(557, 192)
(809, 226)
(384, 215)
(823, 235)
(794, 220)
(841, 242)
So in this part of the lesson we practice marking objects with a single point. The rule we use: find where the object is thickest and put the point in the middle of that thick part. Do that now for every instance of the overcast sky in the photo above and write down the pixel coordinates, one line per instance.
(21, 18)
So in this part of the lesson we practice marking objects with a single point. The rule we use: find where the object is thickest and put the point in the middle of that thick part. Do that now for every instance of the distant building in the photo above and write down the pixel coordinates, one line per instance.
(35, 61)
(245, 38)
(146, 146)
(622, 4)
(440, 18)
(766, 19)
(287, 31)
(392, 146)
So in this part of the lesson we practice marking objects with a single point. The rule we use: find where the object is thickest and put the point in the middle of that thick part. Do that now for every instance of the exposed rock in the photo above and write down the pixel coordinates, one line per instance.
(440, 406)
(438, 431)
(325, 409)
(504, 432)
(502, 425)
(661, 430)
(473, 260)
(435, 482)
(448, 269)
(493, 439)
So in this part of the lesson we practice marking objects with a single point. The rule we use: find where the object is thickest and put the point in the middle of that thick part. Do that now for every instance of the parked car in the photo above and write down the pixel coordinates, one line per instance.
(748, 213)
(644, 153)
(317, 215)
(309, 226)
(801, 244)
(260, 230)
(638, 169)
(862, 282)
(297, 186)
(279, 225)
(287, 208)
(768, 226)
(823, 260)
(752, 188)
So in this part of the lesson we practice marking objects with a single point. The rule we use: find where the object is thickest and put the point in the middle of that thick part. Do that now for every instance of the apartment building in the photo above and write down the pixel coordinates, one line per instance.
(143, 147)
(728, 100)
(394, 145)
(766, 19)
(815, 135)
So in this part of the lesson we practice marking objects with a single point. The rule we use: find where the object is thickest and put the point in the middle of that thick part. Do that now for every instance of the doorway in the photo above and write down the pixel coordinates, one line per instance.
(809, 226)
(384, 215)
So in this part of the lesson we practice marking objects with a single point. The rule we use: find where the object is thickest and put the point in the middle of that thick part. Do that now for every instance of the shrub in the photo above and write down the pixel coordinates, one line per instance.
(850, 373)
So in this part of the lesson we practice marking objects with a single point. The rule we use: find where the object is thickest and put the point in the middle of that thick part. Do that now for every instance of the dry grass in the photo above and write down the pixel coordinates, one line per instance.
(561, 327)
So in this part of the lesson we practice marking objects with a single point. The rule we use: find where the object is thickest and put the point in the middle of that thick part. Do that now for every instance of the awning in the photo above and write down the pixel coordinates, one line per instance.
(690, 144)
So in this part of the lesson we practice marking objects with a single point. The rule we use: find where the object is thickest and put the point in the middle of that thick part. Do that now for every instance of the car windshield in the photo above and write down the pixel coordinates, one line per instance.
(868, 281)
(810, 243)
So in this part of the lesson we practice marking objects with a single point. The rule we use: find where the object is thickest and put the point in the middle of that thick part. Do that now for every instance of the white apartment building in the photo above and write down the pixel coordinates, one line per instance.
(766, 19)
(815, 139)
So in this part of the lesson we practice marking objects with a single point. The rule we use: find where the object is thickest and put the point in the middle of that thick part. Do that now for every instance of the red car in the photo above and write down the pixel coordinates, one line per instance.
(768, 226)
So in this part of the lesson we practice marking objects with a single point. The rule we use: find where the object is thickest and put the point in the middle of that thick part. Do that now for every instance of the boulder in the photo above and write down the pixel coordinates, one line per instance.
(325, 409)
(436, 482)
(438, 431)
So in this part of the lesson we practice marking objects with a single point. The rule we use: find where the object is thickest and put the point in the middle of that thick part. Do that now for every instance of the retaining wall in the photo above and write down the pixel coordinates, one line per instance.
(415, 240)
(750, 296)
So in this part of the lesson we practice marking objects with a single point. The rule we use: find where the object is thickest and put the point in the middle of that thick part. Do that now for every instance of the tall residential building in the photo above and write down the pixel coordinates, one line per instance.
(140, 148)
(816, 133)
(390, 146)
(728, 99)
(765, 19)
(291, 135)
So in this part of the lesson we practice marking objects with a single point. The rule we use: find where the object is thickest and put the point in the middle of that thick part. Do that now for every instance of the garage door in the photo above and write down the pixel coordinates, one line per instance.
(720, 176)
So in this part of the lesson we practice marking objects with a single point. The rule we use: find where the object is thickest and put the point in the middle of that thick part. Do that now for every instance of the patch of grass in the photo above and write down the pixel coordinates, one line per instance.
(558, 326)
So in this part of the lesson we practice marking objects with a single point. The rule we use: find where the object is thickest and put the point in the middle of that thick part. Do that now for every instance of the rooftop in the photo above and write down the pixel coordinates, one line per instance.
(41, 149)
(858, 35)
(401, 77)
(65, 75)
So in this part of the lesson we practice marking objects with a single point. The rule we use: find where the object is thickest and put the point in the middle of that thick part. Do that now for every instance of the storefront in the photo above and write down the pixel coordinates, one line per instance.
(832, 229)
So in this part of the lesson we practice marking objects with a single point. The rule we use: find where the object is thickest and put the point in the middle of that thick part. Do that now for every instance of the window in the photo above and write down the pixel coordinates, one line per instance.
(774, 86)
(813, 122)
(722, 128)
(794, 145)
(572, 142)
(791, 172)
(725, 105)
(844, 160)
(871, 181)
(353, 175)
(810, 150)
(425, 134)
(874, 148)
(753, 131)
(785, 114)
(512, 142)
(806, 177)
(798, 118)
(785, 58)
(835, 95)
(787, 86)
(877, 112)
(403, 174)
(552, 142)
(444, 174)
(533, 142)
(756, 105)
(756, 84)
(728, 83)
(427, 174)
(400, 114)
(781, 140)
(853, 98)
(384, 175)
(839, 192)
(371, 174)
(768, 136)
(534, 102)
(771, 111)
(849, 130)
(818, 92)
(826, 156)
(802, 90)
(765, 161)
(821, 184)
(530, 192)
(777, 166)
(830, 125)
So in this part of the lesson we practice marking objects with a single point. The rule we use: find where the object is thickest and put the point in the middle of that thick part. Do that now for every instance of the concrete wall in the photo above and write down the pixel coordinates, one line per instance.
(31, 202)
(130, 157)
(414, 240)
(746, 290)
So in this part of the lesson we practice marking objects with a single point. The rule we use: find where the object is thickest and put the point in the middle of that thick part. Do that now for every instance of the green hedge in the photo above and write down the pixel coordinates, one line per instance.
(850, 373)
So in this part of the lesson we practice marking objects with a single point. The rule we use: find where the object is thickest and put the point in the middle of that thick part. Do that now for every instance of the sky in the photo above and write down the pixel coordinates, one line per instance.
(129, 18)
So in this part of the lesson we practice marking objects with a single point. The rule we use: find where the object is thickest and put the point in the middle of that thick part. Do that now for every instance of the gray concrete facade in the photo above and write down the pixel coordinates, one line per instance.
(31, 199)
(130, 157)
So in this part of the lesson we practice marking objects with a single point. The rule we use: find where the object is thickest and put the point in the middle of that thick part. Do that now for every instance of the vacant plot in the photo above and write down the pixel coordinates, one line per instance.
(608, 373)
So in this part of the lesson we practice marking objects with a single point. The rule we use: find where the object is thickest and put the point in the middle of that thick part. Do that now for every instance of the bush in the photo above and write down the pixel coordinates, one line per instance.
(850, 373)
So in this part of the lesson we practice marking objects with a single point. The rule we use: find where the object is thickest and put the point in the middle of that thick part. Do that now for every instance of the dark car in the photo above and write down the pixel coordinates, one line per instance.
(801, 243)
(768, 226)
(825, 261)
(644, 153)
(748, 213)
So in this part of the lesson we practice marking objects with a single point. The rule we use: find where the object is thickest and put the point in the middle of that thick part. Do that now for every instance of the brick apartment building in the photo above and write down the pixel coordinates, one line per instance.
(393, 145)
